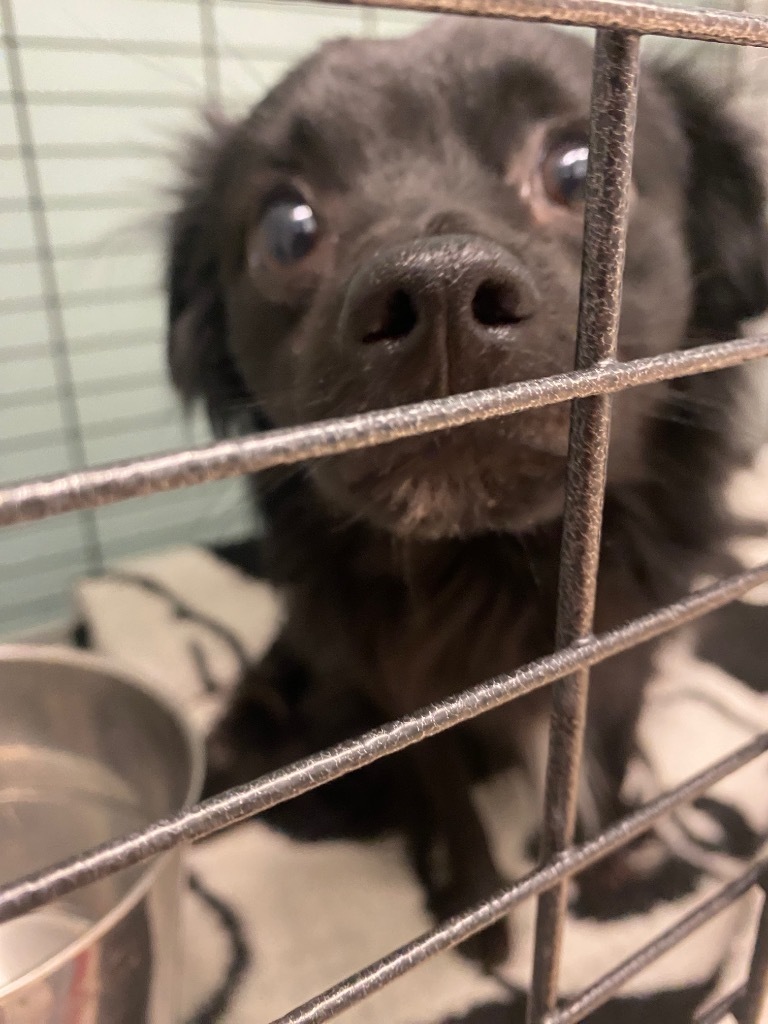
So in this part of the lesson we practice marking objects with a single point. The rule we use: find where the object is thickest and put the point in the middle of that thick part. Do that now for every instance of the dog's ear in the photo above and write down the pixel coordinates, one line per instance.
(726, 215)
(200, 365)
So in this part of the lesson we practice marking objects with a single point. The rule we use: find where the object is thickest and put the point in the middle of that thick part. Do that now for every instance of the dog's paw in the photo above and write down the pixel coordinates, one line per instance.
(256, 735)
(488, 948)
(633, 880)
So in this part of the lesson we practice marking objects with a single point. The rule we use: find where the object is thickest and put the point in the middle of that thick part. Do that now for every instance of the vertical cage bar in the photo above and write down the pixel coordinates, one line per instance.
(612, 124)
(755, 1004)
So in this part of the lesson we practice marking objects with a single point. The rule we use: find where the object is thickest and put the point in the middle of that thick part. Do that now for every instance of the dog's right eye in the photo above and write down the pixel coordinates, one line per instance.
(564, 171)
(287, 233)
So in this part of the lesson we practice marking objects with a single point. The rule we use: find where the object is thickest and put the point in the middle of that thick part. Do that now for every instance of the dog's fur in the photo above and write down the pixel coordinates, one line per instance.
(420, 568)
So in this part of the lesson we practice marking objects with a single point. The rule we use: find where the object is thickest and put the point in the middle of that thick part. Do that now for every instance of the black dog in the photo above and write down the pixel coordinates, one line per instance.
(401, 220)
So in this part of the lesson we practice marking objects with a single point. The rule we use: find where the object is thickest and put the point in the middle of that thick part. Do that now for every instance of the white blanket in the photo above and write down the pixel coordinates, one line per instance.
(271, 919)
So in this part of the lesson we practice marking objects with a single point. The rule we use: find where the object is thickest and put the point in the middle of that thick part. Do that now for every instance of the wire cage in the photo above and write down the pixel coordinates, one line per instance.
(598, 375)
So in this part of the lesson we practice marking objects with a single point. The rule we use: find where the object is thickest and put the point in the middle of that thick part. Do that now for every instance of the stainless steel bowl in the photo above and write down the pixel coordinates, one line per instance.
(88, 753)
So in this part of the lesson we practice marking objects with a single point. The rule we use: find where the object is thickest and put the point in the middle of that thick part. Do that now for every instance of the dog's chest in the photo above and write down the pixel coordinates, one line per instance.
(435, 628)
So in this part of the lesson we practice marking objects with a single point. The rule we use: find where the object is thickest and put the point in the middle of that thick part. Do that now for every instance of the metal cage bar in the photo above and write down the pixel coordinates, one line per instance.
(237, 804)
(358, 987)
(756, 991)
(609, 175)
(38, 499)
(598, 993)
(644, 18)
(728, 1004)
(597, 376)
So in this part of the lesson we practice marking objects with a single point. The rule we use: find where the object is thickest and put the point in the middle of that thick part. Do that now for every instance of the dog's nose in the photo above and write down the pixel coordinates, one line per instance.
(451, 283)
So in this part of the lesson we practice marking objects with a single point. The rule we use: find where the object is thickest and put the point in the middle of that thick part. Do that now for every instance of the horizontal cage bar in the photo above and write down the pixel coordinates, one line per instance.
(375, 976)
(602, 990)
(91, 488)
(726, 1005)
(270, 790)
(621, 15)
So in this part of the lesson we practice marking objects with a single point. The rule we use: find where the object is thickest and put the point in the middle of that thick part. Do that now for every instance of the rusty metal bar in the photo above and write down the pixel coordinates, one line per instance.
(374, 977)
(219, 812)
(612, 127)
(727, 1004)
(602, 990)
(756, 994)
(651, 19)
(37, 499)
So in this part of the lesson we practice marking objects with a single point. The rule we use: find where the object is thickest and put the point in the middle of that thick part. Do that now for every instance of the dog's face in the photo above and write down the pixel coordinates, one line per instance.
(401, 220)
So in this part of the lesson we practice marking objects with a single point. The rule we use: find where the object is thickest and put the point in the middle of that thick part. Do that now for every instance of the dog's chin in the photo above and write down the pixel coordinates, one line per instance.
(439, 510)
(430, 499)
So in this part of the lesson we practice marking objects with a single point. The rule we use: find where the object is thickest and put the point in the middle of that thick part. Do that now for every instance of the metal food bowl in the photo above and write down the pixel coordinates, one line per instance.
(86, 754)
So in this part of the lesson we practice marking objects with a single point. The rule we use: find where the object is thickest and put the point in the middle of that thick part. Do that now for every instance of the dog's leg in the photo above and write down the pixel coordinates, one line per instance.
(615, 702)
(467, 873)
(257, 731)
(616, 693)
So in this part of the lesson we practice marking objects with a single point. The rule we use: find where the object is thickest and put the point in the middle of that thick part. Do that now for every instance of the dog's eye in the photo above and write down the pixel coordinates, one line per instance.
(564, 171)
(288, 232)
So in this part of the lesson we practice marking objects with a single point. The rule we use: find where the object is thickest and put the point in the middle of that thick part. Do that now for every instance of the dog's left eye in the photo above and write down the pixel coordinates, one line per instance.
(564, 171)
(288, 232)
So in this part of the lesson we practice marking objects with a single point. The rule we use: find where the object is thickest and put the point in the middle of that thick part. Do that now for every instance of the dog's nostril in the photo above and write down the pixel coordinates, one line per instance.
(498, 305)
(398, 318)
